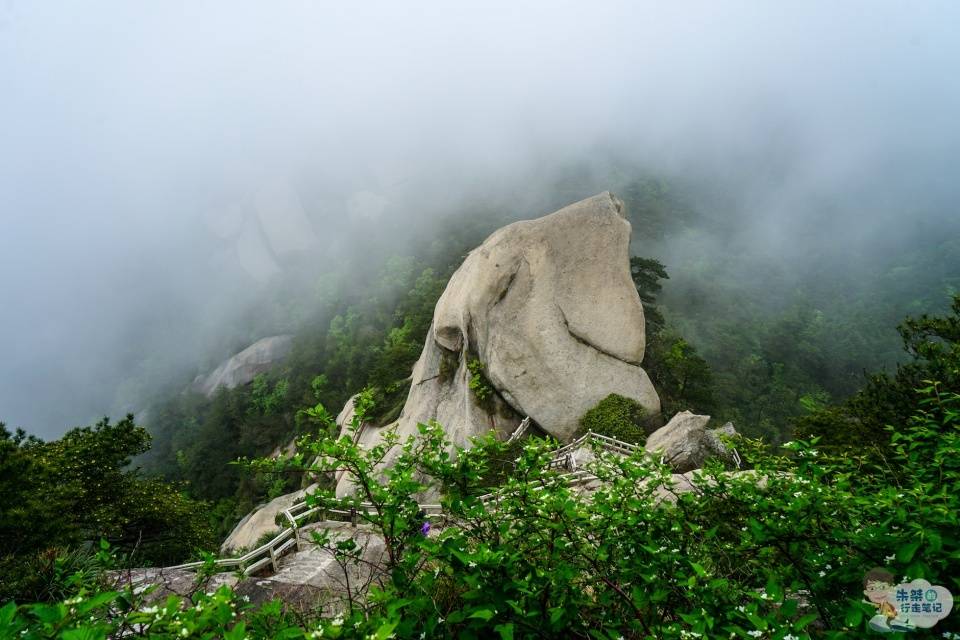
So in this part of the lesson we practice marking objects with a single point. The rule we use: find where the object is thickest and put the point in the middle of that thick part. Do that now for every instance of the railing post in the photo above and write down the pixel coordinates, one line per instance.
(296, 530)
(273, 559)
(353, 516)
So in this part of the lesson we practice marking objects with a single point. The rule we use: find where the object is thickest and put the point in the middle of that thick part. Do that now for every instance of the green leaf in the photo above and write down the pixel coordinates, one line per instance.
(906, 552)
(774, 590)
(854, 617)
(84, 633)
(7, 612)
(237, 633)
(482, 614)
(505, 631)
(804, 621)
(49, 613)
(385, 630)
(97, 601)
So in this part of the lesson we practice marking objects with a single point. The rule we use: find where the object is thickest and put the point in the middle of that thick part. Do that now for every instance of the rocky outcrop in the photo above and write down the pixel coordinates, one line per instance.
(242, 368)
(548, 309)
(686, 444)
(261, 521)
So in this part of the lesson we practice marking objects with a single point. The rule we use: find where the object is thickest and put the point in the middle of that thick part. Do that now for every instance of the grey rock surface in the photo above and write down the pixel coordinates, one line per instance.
(686, 444)
(549, 307)
(260, 521)
(243, 367)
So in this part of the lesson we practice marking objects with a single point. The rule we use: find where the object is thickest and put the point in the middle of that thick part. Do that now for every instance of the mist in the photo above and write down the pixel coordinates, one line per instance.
(162, 165)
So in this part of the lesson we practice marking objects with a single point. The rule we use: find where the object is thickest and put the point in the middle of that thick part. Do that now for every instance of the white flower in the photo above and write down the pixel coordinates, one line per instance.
(756, 633)
(184, 632)
(889, 559)
(790, 636)
(823, 573)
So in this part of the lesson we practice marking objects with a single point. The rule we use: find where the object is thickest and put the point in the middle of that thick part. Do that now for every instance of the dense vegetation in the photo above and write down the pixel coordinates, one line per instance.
(777, 552)
(782, 355)
(59, 498)
(754, 343)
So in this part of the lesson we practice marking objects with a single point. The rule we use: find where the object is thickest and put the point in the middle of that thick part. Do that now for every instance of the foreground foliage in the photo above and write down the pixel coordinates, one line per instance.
(777, 552)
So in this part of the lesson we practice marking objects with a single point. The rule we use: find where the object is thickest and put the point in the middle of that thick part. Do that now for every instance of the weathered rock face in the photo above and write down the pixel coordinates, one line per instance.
(550, 310)
(685, 442)
(242, 368)
(261, 521)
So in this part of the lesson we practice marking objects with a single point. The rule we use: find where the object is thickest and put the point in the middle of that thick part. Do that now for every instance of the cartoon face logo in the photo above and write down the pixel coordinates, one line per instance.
(877, 584)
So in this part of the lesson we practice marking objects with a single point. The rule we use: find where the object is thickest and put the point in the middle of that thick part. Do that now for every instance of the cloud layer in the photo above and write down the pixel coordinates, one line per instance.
(159, 162)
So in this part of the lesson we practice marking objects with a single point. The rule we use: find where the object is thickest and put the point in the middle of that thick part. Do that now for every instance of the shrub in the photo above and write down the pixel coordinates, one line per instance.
(618, 417)
(776, 553)
(481, 387)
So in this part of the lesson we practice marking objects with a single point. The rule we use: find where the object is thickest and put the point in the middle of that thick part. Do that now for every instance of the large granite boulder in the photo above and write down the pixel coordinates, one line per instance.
(547, 307)
(685, 443)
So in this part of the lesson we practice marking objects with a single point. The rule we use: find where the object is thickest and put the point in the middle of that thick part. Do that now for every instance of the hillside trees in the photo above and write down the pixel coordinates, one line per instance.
(682, 378)
(77, 490)
(933, 345)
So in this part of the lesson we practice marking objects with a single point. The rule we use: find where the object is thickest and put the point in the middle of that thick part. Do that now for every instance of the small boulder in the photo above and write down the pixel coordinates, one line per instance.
(686, 444)
(242, 368)
(261, 521)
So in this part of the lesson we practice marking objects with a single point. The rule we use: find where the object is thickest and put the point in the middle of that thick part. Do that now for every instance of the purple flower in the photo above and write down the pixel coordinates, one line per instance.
(425, 529)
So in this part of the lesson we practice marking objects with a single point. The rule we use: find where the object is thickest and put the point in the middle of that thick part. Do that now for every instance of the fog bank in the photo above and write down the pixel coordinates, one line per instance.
(161, 165)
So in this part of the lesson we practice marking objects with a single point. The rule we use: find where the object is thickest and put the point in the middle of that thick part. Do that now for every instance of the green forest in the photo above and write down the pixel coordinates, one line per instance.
(859, 366)
(762, 349)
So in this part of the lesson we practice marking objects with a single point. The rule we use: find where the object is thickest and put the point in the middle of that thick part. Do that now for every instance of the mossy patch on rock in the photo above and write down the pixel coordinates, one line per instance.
(480, 386)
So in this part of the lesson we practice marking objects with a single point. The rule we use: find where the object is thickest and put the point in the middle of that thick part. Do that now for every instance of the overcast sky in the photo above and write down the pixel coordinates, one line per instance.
(158, 160)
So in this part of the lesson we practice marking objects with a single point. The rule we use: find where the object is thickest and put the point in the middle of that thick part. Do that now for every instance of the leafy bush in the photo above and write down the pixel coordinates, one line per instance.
(775, 553)
(617, 417)
(480, 386)
(72, 492)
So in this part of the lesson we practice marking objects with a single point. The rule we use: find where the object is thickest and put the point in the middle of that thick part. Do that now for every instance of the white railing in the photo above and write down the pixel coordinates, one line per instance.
(268, 553)
(521, 430)
(611, 444)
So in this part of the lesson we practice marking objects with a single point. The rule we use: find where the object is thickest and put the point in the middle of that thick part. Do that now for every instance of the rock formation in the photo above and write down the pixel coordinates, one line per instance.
(261, 521)
(242, 368)
(685, 442)
(548, 310)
